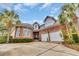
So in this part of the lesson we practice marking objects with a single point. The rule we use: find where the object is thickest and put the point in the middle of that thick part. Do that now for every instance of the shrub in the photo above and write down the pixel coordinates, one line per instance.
(18, 40)
(75, 38)
(3, 39)
(69, 41)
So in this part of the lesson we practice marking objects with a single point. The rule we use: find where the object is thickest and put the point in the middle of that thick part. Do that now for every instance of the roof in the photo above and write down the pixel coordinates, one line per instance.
(42, 25)
(25, 25)
(56, 25)
(49, 17)
(35, 23)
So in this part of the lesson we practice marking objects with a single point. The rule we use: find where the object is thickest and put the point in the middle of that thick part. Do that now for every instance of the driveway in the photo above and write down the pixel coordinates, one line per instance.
(36, 49)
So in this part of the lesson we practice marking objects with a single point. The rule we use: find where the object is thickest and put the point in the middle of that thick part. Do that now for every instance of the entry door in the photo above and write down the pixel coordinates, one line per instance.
(44, 37)
(56, 36)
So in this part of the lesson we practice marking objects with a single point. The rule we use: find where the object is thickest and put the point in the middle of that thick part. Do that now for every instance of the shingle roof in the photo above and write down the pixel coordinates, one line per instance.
(26, 25)
(55, 24)
(49, 17)
(35, 23)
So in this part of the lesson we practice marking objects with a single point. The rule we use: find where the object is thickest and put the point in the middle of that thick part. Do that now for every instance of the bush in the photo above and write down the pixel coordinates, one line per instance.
(75, 38)
(3, 39)
(69, 41)
(18, 40)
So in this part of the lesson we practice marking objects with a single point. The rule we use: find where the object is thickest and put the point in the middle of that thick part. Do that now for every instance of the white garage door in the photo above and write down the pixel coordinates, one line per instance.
(55, 36)
(44, 37)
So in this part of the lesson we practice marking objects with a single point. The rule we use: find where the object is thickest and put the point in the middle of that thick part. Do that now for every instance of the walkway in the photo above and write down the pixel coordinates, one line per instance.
(36, 49)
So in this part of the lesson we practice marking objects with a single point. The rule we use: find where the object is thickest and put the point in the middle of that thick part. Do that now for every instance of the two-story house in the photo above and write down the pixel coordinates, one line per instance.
(50, 30)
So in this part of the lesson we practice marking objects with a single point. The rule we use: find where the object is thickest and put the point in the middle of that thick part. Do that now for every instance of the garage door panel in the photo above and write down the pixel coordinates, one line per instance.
(55, 36)
(44, 37)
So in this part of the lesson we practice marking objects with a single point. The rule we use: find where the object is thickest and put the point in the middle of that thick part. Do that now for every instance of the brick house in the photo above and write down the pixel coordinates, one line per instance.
(24, 30)
(50, 30)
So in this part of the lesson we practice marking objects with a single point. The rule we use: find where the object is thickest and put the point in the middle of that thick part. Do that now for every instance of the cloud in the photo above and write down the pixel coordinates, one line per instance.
(6, 6)
(31, 5)
(45, 5)
(17, 7)
(54, 10)
(35, 21)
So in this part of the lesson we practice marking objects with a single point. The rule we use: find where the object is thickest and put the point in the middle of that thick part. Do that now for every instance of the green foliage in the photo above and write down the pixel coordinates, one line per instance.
(8, 20)
(3, 39)
(66, 17)
(75, 38)
(19, 40)
(69, 41)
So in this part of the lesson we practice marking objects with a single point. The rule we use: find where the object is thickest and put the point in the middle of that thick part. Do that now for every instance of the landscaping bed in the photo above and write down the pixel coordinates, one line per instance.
(3, 39)
(73, 46)
(19, 40)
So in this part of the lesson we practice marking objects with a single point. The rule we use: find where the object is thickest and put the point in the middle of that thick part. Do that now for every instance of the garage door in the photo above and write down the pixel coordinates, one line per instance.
(56, 36)
(44, 37)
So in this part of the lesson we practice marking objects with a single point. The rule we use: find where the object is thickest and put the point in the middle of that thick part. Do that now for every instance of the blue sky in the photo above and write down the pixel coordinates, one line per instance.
(31, 12)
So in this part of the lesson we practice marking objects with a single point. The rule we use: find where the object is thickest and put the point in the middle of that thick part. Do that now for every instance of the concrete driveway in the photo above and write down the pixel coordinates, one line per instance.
(36, 49)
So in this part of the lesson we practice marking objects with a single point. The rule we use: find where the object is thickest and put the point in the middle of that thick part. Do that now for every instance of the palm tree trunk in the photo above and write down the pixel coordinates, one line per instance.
(8, 36)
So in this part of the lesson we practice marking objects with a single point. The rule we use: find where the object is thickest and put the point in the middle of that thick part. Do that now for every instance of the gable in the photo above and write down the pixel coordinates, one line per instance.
(49, 21)
(36, 26)
(48, 18)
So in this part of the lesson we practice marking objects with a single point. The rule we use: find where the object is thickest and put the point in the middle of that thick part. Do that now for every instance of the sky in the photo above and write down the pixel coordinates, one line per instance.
(32, 12)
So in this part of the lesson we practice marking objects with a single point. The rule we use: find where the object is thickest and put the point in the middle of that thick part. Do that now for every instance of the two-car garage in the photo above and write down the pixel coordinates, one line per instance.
(52, 36)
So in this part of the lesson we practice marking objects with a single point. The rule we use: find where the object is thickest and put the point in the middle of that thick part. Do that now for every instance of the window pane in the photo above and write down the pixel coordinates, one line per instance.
(17, 31)
(26, 32)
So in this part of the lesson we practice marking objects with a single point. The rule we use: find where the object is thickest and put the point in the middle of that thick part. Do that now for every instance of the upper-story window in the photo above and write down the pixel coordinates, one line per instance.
(49, 22)
(35, 26)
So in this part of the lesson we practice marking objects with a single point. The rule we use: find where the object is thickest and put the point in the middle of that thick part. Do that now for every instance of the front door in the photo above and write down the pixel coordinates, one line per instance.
(36, 35)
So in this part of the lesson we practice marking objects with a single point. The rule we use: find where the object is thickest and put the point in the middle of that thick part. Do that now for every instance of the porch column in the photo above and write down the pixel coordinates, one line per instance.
(48, 36)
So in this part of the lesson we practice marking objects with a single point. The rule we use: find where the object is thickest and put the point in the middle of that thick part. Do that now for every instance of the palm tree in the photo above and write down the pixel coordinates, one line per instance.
(9, 20)
(67, 18)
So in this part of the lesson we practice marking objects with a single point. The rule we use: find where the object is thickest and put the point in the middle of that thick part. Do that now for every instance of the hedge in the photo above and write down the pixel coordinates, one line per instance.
(3, 39)
(18, 40)
(75, 38)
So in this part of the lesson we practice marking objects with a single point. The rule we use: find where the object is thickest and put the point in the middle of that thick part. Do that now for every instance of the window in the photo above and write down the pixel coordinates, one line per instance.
(49, 22)
(26, 32)
(35, 26)
(17, 31)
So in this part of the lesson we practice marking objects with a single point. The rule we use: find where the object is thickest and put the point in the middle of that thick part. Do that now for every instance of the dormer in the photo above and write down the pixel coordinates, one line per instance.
(36, 26)
(49, 21)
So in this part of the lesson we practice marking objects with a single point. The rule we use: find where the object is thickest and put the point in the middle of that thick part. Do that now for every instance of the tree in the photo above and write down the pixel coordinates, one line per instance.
(68, 18)
(9, 19)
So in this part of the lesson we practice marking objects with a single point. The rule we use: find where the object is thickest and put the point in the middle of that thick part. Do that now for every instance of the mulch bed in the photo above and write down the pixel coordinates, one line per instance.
(73, 46)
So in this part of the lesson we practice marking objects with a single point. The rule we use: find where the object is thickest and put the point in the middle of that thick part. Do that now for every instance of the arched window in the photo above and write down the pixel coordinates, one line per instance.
(36, 26)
